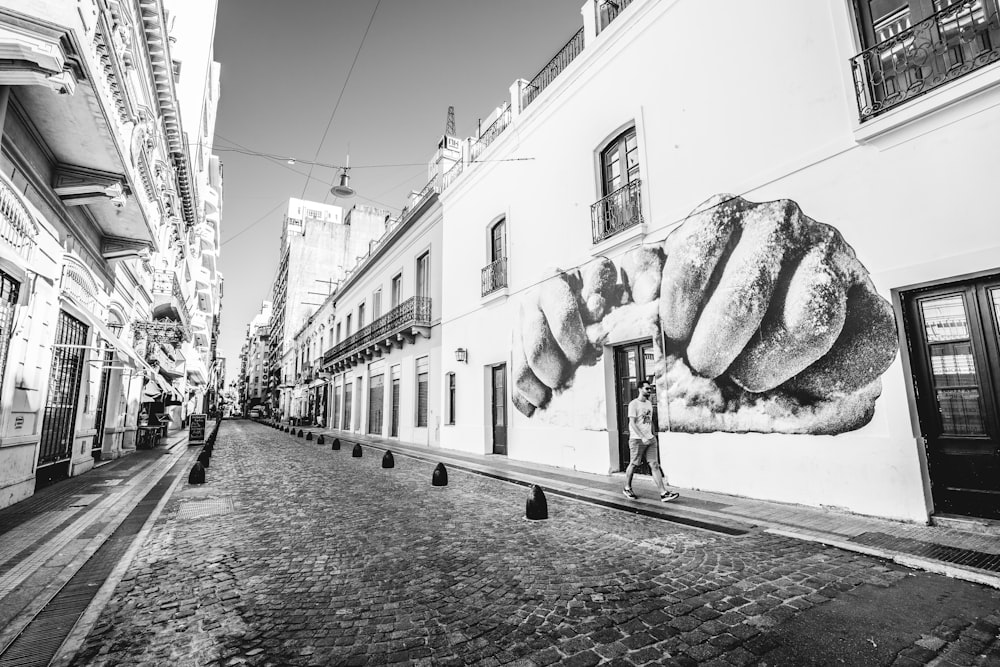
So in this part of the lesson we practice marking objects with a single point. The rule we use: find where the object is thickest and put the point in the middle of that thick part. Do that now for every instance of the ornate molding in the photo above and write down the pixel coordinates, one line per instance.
(77, 186)
(117, 248)
(31, 58)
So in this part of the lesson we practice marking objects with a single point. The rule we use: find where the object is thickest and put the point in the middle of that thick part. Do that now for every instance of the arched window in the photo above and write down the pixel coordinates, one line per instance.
(494, 274)
(498, 240)
(620, 205)
(620, 162)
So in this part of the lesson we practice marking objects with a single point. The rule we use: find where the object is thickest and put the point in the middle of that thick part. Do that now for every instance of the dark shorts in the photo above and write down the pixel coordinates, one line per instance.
(640, 449)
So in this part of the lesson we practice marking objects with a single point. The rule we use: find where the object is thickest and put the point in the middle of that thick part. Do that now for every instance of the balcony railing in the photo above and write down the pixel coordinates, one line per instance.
(608, 11)
(552, 69)
(616, 212)
(452, 174)
(941, 48)
(494, 276)
(415, 311)
(17, 226)
(487, 136)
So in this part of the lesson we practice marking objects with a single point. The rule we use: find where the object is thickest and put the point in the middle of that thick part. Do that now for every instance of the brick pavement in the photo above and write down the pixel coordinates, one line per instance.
(293, 554)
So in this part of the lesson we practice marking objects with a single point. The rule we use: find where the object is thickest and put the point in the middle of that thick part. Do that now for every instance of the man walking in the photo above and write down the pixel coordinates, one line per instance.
(642, 443)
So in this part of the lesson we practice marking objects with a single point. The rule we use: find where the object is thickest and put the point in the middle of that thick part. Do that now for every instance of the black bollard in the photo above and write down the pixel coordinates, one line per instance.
(301, 433)
(440, 476)
(320, 440)
(204, 458)
(197, 474)
(536, 507)
(336, 445)
(356, 452)
(387, 460)
(309, 435)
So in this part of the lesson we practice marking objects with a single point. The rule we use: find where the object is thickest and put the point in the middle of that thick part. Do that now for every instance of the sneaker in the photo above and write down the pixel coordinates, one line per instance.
(630, 494)
(667, 496)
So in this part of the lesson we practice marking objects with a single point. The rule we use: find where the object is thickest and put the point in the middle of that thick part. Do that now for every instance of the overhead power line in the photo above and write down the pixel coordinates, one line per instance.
(336, 106)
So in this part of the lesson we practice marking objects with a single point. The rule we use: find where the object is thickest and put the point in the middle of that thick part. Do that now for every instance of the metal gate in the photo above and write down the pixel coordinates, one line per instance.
(68, 355)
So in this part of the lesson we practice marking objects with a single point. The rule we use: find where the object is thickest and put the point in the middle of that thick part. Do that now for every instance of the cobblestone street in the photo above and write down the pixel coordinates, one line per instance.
(293, 554)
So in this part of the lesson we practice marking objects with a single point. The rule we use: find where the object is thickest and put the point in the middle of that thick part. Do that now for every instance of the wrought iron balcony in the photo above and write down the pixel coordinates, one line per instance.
(552, 69)
(947, 45)
(452, 174)
(494, 276)
(403, 322)
(608, 11)
(617, 212)
(487, 136)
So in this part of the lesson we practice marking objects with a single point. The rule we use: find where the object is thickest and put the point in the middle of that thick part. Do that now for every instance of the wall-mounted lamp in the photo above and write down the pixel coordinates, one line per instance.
(461, 355)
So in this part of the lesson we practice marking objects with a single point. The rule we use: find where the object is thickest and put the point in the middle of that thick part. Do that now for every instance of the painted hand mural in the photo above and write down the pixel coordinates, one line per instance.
(762, 320)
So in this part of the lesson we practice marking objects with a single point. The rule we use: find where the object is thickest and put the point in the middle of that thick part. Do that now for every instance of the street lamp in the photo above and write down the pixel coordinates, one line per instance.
(461, 355)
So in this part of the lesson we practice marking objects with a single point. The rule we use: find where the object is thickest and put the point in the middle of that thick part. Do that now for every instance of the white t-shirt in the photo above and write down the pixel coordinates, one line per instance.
(640, 428)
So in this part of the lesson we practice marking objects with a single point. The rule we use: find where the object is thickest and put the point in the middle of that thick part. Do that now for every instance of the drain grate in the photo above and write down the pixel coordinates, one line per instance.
(965, 557)
(40, 640)
(198, 509)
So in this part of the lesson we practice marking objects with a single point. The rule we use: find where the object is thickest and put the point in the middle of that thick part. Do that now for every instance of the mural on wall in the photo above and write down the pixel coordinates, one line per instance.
(762, 318)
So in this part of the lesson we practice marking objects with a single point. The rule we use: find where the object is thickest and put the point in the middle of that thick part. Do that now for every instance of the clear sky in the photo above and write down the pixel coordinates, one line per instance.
(284, 65)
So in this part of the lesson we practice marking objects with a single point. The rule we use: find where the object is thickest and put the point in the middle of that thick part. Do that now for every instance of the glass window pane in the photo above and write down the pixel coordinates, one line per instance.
(961, 413)
(944, 318)
(952, 364)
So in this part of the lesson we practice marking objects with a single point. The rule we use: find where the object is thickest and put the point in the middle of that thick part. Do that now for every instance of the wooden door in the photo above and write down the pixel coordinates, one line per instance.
(633, 364)
(498, 402)
(954, 340)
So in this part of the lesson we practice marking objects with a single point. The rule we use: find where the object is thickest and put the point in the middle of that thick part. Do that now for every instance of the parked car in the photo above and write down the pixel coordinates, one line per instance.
(256, 413)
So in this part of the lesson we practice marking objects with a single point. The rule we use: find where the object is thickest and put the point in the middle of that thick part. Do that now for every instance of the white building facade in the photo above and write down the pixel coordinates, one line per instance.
(384, 357)
(761, 231)
(96, 198)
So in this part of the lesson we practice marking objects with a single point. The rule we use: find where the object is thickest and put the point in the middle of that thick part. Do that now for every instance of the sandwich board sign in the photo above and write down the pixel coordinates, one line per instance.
(196, 429)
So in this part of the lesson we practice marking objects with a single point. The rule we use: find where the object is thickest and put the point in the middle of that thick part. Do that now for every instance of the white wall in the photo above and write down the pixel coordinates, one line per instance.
(755, 105)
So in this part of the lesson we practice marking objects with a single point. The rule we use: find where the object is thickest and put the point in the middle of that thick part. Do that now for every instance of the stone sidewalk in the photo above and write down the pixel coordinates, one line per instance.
(967, 550)
(47, 538)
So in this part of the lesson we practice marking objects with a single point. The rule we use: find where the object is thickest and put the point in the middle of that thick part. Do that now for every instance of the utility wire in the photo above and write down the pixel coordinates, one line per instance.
(253, 224)
(285, 159)
(319, 147)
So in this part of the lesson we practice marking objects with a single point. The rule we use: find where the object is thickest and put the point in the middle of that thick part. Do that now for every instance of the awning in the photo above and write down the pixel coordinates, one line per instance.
(318, 382)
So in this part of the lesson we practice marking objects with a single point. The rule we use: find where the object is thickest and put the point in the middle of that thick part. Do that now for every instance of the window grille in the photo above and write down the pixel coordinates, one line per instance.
(68, 356)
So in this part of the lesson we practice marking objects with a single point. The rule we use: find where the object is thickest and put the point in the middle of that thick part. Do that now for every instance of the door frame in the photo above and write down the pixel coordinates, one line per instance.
(613, 406)
(909, 364)
(491, 371)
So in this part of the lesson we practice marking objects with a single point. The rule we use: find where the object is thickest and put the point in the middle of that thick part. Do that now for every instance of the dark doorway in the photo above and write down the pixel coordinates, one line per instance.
(498, 401)
(348, 398)
(394, 408)
(954, 339)
(102, 405)
(59, 421)
(376, 396)
(633, 364)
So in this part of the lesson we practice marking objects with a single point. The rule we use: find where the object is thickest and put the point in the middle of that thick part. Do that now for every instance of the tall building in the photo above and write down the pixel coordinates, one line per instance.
(253, 360)
(318, 243)
(98, 201)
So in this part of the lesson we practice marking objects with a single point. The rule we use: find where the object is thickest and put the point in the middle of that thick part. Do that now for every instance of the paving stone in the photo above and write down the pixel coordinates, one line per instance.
(322, 563)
